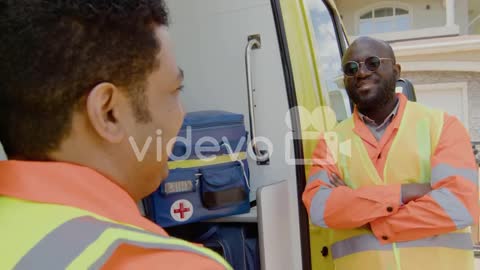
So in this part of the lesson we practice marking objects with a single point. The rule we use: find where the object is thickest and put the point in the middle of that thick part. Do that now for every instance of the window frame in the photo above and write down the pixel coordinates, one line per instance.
(379, 5)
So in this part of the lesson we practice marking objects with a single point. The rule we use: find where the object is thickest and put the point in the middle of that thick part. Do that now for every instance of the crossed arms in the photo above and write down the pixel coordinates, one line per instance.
(404, 212)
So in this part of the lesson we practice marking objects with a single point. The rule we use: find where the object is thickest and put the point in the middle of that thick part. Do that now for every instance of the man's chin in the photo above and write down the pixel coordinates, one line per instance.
(159, 176)
(365, 101)
(369, 100)
(164, 174)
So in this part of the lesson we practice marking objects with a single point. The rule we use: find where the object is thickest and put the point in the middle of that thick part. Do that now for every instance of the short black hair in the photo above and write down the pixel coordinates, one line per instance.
(52, 52)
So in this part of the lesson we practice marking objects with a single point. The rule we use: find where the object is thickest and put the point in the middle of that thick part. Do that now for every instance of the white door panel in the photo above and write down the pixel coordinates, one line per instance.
(449, 97)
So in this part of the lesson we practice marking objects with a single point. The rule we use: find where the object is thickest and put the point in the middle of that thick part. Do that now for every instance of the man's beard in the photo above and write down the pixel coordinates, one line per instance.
(385, 95)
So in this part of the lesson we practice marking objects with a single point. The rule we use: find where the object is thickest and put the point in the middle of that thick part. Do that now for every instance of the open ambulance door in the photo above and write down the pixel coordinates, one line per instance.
(322, 102)
(277, 62)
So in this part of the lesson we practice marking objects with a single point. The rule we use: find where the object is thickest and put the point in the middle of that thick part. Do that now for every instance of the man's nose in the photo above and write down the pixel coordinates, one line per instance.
(363, 71)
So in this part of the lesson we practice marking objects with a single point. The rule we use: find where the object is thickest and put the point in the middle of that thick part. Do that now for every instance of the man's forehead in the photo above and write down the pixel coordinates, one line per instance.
(362, 49)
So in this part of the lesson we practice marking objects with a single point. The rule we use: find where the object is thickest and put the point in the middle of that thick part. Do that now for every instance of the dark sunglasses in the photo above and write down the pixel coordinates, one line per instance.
(372, 63)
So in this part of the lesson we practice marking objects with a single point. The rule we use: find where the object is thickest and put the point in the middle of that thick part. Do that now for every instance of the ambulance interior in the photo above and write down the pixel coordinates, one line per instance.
(211, 39)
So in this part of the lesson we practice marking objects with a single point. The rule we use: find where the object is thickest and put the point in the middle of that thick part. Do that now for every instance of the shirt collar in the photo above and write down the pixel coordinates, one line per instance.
(71, 185)
(362, 130)
(387, 120)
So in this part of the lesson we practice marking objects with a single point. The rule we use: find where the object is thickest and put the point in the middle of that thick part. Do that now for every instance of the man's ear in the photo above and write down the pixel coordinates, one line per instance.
(102, 108)
(398, 71)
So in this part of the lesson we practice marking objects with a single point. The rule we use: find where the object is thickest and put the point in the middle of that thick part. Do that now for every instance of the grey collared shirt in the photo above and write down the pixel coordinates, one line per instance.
(379, 130)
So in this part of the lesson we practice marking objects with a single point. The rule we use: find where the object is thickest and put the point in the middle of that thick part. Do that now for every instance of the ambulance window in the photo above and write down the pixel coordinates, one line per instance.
(328, 57)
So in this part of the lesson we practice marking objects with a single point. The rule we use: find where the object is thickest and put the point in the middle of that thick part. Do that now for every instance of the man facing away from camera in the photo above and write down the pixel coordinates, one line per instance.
(405, 197)
(80, 80)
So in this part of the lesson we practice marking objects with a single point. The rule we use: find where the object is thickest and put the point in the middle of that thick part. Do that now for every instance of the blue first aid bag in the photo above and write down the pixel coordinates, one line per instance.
(209, 176)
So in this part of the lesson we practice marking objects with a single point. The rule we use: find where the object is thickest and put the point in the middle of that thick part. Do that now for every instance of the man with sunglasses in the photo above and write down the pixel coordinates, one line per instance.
(406, 195)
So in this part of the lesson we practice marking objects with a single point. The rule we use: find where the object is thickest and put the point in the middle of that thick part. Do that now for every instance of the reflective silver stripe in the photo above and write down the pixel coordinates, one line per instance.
(317, 208)
(442, 171)
(451, 240)
(357, 244)
(64, 244)
(453, 207)
(61, 246)
(321, 175)
(104, 258)
(368, 242)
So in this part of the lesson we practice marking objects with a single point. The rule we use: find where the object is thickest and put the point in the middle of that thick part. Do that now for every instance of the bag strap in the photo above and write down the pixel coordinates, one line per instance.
(209, 233)
(247, 181)
(230, 152)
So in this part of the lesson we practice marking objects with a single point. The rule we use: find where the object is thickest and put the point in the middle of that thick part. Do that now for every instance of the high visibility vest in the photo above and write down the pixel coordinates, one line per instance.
(408, 161)
(47, 236)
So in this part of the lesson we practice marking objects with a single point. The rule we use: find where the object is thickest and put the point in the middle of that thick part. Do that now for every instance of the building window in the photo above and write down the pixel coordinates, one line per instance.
(383, 20)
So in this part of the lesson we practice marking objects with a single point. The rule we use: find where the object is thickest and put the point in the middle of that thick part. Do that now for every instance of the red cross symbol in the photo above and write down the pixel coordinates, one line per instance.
(181, 210)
